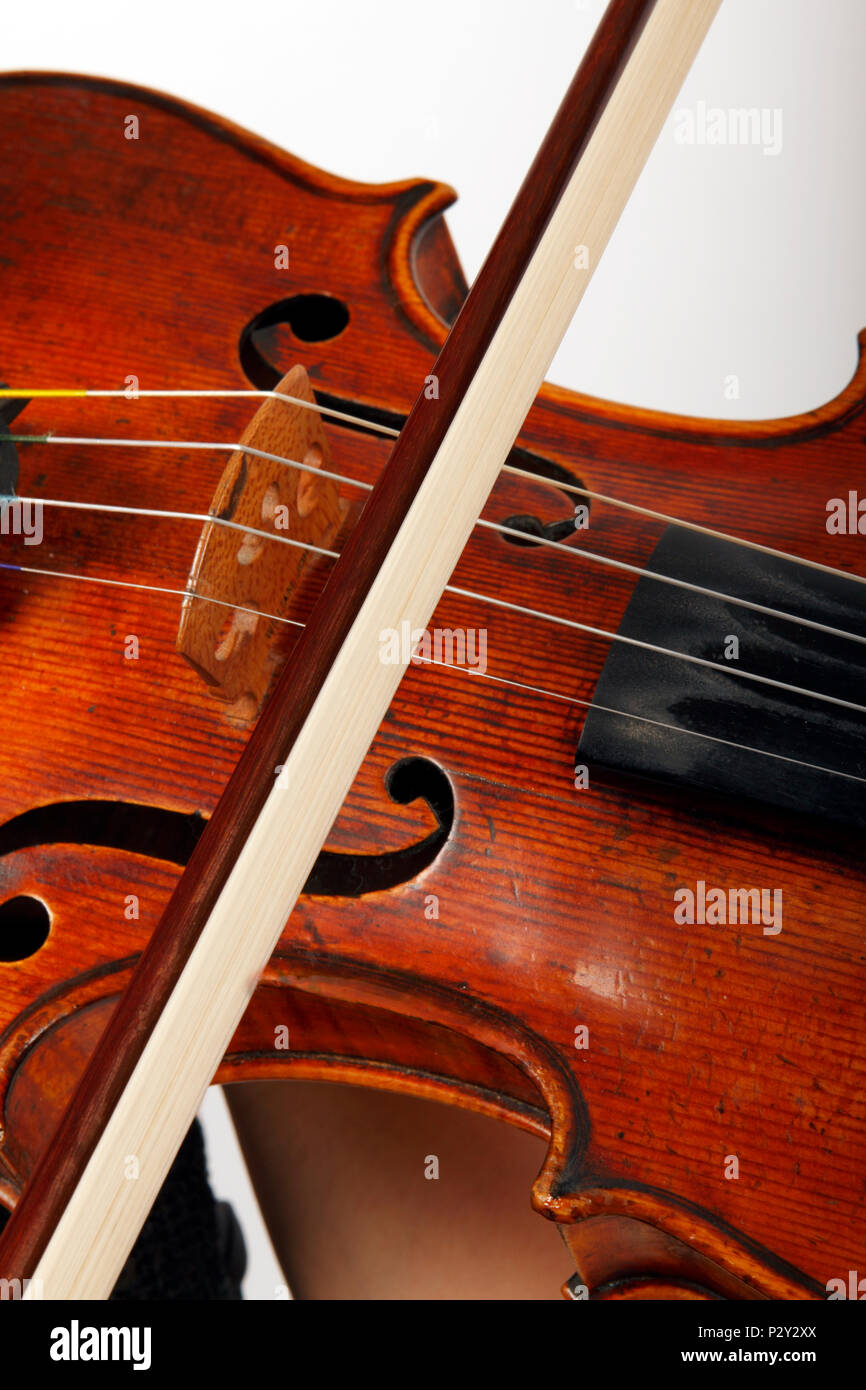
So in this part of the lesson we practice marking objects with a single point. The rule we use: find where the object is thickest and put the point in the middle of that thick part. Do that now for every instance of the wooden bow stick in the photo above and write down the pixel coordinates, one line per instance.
(79, 1216)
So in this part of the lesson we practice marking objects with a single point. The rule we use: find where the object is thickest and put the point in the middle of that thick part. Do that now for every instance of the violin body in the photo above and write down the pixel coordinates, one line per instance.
(483, 931)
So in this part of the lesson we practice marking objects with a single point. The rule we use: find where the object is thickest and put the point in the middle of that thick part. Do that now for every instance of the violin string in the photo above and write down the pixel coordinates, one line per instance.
(148, 588)
(186, 445)
(544, 541)
(78, 393)
(512, 469)
(432, 661)
(573, 624)
(642, 572)
(644, 719)
(656, 650)
(688, 525)
(203, 518)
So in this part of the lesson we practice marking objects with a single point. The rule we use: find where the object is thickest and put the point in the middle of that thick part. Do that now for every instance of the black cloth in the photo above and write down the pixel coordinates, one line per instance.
(191, 1246)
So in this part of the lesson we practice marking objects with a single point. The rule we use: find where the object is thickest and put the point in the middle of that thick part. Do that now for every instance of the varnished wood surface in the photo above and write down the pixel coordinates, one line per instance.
(713, 1042)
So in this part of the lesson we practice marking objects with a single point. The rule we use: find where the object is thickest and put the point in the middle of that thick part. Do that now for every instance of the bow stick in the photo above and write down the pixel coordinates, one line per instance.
(79, 1215)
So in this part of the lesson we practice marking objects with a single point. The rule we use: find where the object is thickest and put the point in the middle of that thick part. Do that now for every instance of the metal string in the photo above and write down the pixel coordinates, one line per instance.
(431, 661)
(546, 617)
(348, 418)
(560, 546)
(557, 545)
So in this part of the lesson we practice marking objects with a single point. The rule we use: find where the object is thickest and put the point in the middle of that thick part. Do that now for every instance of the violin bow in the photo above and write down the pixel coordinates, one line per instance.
(79, 1215)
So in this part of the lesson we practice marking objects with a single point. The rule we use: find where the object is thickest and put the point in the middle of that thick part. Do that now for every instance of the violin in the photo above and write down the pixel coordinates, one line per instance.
(598, 873)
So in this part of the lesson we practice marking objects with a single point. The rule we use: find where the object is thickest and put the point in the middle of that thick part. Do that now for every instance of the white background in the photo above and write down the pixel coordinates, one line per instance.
(727, 261)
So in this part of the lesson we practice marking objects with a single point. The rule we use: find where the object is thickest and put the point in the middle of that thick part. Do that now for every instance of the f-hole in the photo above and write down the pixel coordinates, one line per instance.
(172, 835)
(311, 318)
(24, 926)
(353, 875)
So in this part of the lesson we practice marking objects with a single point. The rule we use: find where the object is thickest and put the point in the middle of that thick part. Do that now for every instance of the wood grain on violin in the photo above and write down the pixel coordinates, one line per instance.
(534, 968)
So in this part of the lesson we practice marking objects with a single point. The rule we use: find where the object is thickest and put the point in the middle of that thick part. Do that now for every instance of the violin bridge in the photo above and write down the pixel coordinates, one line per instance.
(253, 578)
